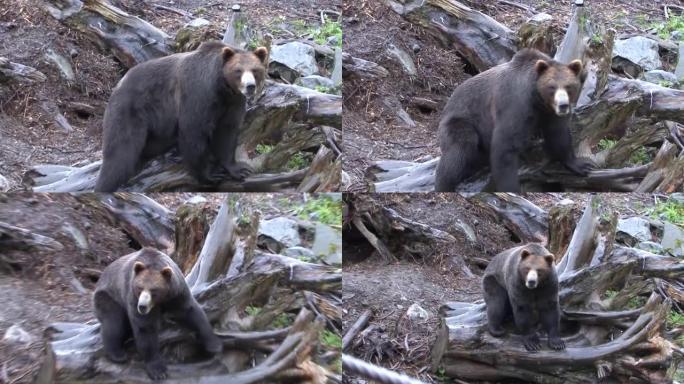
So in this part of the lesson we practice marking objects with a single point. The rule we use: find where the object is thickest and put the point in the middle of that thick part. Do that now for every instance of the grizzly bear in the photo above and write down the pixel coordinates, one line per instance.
(522, 282)
(490, 118)
(132, 295)
(194, 100)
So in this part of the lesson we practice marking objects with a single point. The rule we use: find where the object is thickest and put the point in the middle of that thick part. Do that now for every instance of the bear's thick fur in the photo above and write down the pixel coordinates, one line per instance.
(195, 100)
(130, 298)
(490, 118)
(522, 282)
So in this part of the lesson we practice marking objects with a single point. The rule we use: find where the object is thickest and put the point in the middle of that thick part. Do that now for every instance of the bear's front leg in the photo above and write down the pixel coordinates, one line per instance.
(550, 319)
(146, 335)
(196, 320)
(524, 321)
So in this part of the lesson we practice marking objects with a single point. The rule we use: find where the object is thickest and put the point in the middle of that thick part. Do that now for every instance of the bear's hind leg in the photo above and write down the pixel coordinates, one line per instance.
(196, 320)
(121, 155)
(460, 158)
(114, 327)
(496, 300)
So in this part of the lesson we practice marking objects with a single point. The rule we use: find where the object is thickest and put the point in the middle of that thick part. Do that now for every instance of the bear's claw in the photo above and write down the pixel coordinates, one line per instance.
(580, 166)
(118, 357)
(532, 343)
(213, 345)
(240, 170)
(556, 344)
(156, 370)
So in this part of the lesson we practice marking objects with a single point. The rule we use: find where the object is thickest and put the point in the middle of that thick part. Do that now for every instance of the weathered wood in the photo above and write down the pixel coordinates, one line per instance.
(481, 40)
(358, 325)
(362, 68)
(20, 73)
(520, 216)
(192, 226)
(12, 237)
(143, 219)
(561, 227)
(131, 39)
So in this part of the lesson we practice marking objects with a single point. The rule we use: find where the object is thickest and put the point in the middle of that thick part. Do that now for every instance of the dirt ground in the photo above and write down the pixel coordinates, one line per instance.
(38, 288)
(27, 128)
(389, 289)
(371, 128)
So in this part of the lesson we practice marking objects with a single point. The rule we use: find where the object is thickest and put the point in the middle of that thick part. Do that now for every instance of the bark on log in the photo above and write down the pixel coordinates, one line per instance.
(526, 221)
(353, 66)
(20, 73)
(481, 40)
(12, 237)
(600, 343)
(143, 219)
(131, 39)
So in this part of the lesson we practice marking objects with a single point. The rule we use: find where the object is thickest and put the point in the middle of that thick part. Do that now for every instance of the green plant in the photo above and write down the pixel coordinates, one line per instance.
(636, 302)
(299, 26)
(297, 161)
(640, 156)
(263, 148)
(675, 319)
(674, 23)
(327, 210)
(323, 89)
(596, 38)
(200, 11)
(281, 321)
(252, 311)
(331, 339)
(606, 144)
(666, 84)
(670, 210)
(328, 29)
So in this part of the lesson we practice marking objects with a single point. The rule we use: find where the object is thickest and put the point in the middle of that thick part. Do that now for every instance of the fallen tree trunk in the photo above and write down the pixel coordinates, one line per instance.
(12, 237)
(601, 342)
(224, 285)
(481, 40)
(20, 73)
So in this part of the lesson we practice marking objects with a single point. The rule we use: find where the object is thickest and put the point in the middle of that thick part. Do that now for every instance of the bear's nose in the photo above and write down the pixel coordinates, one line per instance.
(563, 107)
(250, 88)
(143, 309)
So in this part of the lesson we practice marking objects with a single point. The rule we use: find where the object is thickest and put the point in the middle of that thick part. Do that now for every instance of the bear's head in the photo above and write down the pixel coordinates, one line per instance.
(536, 264)
(245, 71)
(559, 85)
(151, 285)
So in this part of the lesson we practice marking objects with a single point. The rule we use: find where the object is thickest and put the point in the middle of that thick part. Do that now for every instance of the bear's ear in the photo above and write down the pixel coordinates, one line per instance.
(540, 66)
(524, 254)
(167, 272)
(549, 259)
(576, 67)
(138, 267)
(227, 53)
(262, 54)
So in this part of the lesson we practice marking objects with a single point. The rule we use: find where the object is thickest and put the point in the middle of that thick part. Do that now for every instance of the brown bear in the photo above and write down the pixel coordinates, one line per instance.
(132, 295)
(490, 118)
(194, 100)
(522, 282)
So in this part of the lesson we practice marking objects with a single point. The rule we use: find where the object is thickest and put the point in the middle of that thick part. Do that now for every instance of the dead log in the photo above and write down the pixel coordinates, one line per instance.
(20, 73)
(600, 342)
(12, 237)
(362, 68)
(131, 39)
(192, 226)
(143, 219)
(277, 283)
(358, 325)
(525, 220)
(481, 40)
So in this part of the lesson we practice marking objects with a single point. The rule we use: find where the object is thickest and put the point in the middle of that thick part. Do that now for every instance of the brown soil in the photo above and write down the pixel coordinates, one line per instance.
(372, 131)
(389, 289)
(29, 134)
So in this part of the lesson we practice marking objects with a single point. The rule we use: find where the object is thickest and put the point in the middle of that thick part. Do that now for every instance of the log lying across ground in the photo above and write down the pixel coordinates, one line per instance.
(608, 105)
(300, 118)
(604, 339)
(228, 276)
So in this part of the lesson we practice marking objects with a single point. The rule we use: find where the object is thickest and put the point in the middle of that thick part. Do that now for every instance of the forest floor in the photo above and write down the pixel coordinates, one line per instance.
(38, 288)
(28, 130)
(372, 130)
(389, 289)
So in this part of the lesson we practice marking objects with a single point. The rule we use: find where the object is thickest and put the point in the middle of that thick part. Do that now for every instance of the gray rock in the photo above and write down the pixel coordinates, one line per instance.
(404, 59)
(333, 41)
(639, 50)
(679, 70)
(415, 47)
(17, 335)
(297, 56)
(328, 244)
(651, 246)
(281, 229)
(466, 229)
(416, 312)
(658, 76)
(64, 64)
(198, 23)
(541, 17)
(393, 103)
(677, 197)
(676, 35)
(337, 67)
(633, 228)
(299, 252)
(197, 199)
(313, 81)
(673, 240)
